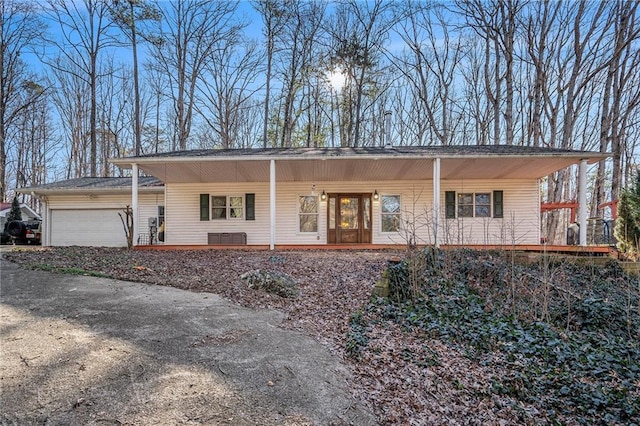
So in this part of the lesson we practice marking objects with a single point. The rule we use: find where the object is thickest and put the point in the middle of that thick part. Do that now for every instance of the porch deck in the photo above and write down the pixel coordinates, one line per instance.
(597, 251)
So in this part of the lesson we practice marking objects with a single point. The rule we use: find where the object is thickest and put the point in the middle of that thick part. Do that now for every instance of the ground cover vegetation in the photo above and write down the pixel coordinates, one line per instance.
(464, 337)
(559, 340)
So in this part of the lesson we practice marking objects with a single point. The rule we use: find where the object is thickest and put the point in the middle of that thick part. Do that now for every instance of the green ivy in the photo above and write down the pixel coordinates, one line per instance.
(588, 371)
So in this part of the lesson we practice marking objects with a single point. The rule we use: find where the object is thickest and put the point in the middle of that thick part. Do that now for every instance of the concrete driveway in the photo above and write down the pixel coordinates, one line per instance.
(85, 350)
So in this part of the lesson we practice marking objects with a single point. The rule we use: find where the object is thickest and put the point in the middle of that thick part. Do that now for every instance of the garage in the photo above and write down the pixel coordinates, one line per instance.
(101, 227)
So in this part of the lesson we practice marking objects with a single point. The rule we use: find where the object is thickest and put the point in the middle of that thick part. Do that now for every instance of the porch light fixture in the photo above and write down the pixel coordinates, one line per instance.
(376, 196)
(323, 196)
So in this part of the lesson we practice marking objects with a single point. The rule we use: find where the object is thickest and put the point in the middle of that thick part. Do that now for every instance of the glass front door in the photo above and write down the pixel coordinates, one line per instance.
(349, 218)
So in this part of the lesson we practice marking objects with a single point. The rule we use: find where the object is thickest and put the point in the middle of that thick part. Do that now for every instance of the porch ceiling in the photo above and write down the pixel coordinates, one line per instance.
(352, 169)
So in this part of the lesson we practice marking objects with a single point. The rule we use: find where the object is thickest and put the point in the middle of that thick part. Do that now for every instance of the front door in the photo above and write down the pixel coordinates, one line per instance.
(349, 219)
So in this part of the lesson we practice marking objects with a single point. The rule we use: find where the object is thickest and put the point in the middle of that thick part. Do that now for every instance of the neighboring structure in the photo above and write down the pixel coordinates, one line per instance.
(84, 211)
(309, 196)
(27, 213)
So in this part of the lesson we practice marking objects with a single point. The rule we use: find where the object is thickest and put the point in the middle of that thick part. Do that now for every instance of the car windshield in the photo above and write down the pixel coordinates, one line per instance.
(33, 225)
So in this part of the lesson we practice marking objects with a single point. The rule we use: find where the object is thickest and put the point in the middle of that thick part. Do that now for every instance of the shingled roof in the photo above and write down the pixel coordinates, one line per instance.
(396, 151)
(95, 184)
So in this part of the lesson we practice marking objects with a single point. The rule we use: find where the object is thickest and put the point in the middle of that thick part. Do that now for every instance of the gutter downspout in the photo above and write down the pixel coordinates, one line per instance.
(582, 201)
(436, 201)
(134, 200)
(272, 204)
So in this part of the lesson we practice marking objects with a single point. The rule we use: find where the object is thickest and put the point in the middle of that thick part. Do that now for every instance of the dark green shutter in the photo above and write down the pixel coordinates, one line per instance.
(250, 201)
(450, 204)
(498, 206)
(204, 206)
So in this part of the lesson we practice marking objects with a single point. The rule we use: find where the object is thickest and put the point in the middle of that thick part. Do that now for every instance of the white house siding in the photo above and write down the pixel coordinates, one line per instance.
(520, 224)
(182, 213)
(62, 207)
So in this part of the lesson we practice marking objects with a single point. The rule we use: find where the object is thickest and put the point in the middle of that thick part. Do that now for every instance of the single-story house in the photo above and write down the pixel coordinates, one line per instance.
(317, 196)
(27, 213)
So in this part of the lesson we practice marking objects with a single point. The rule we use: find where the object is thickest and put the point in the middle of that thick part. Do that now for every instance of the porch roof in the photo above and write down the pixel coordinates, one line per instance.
(357, 164)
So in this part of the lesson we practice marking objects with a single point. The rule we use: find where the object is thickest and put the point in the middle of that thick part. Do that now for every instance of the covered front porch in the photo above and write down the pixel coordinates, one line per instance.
(360, 177)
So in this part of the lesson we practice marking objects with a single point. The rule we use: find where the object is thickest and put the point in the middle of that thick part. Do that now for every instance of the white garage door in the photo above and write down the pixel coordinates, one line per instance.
(87, 228)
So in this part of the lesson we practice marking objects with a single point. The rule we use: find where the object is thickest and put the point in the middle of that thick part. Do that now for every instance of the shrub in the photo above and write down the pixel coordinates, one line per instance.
(627, 227)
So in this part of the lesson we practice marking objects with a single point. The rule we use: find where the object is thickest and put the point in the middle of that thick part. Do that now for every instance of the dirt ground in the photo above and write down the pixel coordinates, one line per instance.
(80, 350)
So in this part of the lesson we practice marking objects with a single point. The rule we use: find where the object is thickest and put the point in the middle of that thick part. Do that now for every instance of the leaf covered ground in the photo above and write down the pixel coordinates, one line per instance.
(440, 350)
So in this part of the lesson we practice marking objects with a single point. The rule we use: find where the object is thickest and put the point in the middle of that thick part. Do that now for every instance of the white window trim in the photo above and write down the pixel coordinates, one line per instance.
(228, 207)
(473, 206)
(298, 231)
(381, 213)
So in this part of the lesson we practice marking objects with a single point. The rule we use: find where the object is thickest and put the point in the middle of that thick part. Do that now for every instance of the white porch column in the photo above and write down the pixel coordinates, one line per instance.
(272, 205)
(582, 202)
(46, 222)
(436, 201)
(134, 201)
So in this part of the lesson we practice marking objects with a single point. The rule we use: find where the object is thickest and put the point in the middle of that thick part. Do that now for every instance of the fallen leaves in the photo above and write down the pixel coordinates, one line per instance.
(142, 268)
(406, 378)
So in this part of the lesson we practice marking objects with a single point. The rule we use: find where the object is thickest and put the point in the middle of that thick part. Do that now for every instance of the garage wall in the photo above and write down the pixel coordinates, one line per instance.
(92, 220)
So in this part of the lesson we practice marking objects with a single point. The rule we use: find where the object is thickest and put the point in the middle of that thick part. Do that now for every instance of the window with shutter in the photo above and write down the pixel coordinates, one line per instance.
(450, 204)
(250, 201)
(204, 206)
(498, 206)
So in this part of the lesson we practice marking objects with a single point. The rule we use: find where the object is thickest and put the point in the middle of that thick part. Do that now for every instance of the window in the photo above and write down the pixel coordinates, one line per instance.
(160, 215)
(235, 207)
(465, 205)
(390, 213)
(482, 205)
(473, 204)
(227, 207)
(220, 207)
(308, 213)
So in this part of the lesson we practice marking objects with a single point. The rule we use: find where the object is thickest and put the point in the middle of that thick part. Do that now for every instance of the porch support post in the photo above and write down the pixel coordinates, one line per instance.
(272, 205)
(134, 201)
(46, 221)
(582, 201)
(436, 201)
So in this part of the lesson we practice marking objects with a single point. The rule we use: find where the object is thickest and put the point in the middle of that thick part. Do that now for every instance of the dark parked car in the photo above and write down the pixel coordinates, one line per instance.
(23, 232)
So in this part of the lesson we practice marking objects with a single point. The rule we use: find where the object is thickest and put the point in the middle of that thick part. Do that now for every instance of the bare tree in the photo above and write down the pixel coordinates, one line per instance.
(539, 35)
(84, 31)
(431, 66)
(231, 81)
(359, 31)
(20, 27)
(185, 40)
(621, 97)
(275, 14)
(34, 143)
(585, 56)
(116, 115)
(71, 98)
(127, 14)
(158, 86)
(495, 22)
